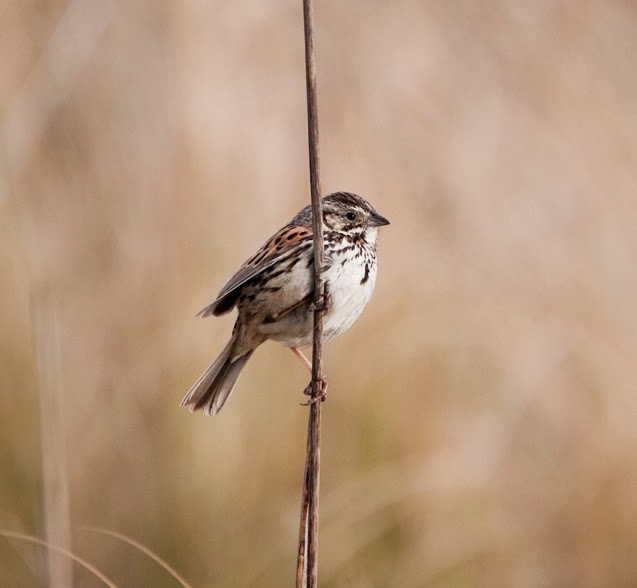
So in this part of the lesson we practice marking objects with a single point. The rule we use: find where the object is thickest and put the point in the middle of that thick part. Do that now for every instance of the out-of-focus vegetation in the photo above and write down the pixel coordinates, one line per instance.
(480, 429)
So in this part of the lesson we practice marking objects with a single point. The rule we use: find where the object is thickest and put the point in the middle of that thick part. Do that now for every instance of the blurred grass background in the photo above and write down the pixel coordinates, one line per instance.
(480, 429)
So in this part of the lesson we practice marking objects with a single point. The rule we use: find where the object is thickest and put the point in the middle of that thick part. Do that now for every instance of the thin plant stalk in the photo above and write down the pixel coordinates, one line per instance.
(307, 560)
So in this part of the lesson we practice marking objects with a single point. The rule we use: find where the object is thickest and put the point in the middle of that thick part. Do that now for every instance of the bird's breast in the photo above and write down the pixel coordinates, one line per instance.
(350, 281)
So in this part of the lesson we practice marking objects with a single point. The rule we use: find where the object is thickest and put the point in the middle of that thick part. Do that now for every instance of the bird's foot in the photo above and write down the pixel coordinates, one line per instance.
(323, 304)
(321, 396)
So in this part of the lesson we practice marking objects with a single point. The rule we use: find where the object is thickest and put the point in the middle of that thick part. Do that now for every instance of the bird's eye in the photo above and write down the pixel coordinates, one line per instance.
(350, 216)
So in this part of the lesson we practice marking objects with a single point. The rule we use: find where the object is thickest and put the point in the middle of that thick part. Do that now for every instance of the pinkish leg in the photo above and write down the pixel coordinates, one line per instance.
(308, 391)
(306, 362)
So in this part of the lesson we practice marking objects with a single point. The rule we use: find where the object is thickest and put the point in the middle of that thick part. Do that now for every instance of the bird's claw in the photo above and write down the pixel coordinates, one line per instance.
(321, 396)
(322, 305)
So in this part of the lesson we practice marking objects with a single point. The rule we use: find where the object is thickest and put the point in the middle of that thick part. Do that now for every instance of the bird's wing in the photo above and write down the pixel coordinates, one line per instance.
(280, 246)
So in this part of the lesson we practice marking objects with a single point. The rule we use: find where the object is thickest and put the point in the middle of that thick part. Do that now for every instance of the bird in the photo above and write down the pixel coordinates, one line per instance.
(273, 291)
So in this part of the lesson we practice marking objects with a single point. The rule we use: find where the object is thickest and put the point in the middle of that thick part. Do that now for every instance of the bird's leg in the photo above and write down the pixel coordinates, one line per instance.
(304, 360)
(324, 303)
(277, 316)
(308, 390)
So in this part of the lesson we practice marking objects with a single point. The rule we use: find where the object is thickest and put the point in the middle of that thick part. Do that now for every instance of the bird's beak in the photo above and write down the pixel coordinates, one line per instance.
(378, 220)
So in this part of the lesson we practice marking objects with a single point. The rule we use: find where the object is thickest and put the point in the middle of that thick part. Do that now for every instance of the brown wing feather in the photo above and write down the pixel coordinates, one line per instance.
(274, 249)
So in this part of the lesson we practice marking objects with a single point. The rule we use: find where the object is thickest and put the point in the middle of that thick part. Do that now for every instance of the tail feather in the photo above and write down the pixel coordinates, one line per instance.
(215, 385)
(221, 387)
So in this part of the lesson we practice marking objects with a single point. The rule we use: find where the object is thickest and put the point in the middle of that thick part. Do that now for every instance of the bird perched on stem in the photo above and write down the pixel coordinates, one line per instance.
(273, 291)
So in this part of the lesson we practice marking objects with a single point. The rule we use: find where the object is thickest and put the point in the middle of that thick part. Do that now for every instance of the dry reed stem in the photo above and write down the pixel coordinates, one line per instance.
(307, 560)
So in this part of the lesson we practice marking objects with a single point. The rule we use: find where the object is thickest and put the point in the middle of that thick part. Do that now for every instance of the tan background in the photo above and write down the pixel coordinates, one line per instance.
(481, 428)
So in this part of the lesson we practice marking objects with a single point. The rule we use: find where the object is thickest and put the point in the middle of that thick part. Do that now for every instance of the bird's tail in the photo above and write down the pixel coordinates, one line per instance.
(215, 385)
